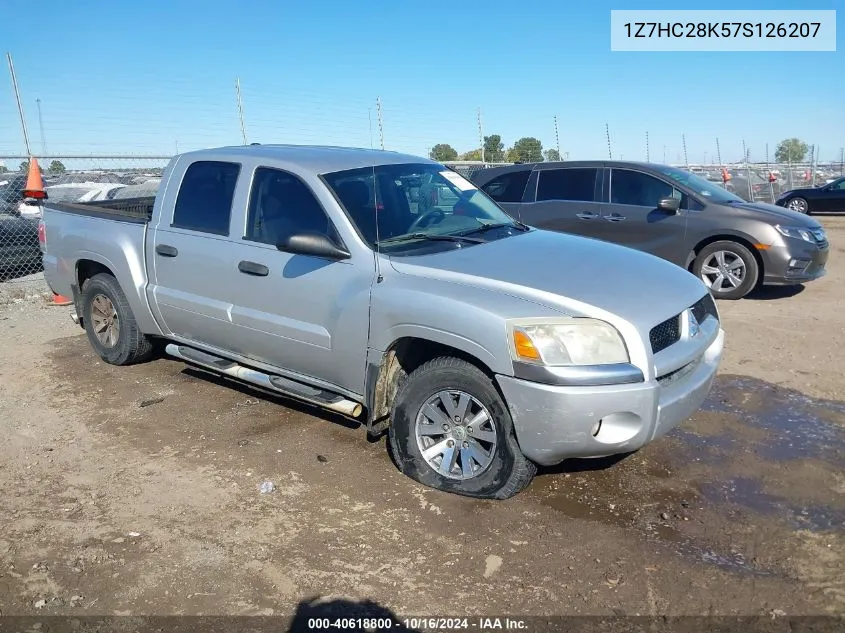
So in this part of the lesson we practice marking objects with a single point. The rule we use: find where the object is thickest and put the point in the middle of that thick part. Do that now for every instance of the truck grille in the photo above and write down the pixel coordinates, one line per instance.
(668, 333)
(705, 307)
(665, 334)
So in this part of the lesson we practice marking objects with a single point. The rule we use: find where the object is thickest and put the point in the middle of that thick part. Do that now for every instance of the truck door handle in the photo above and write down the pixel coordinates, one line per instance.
(252, 268)
(615, 217)
(166, 251)
(586, 216)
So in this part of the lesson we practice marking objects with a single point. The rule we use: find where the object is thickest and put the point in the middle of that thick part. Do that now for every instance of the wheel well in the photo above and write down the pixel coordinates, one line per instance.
(730, 238)
(87, 268)
(402, 358)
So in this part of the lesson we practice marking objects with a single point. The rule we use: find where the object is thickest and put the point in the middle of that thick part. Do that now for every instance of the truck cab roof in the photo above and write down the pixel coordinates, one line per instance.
(320, 159)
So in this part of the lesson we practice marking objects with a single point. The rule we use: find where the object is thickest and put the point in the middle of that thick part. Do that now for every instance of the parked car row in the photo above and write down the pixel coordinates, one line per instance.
(732, 245)
(18, 235)
(19, 252)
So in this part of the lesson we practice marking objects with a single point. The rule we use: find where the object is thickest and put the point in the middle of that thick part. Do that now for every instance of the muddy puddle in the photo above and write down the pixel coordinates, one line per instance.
(749, 493)
(755, 455)
(796, 425)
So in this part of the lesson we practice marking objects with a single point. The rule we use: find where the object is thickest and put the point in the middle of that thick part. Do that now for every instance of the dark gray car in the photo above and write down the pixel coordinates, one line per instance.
(731, 244)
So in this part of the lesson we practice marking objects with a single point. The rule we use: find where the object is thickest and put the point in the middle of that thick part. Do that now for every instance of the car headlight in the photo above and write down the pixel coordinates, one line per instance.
(796, 232)
(566, 341)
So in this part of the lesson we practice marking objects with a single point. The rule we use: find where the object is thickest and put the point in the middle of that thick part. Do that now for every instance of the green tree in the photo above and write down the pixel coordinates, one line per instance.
(443, 151)
(473, 154)
(526, 150)
(551, 155)
(494, 149)
(57, 167)
(24, 166)
(3, 169)
(791, 150)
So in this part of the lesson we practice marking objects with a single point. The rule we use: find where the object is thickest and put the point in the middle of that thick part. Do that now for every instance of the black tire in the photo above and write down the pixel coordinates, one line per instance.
(131, 346)
(804, 206)
(508, 472)
(736, 250)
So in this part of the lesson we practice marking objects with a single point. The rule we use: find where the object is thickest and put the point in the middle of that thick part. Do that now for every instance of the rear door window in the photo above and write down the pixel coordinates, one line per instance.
(508, 187)
(637, 188)
(205, 197)
(571, 183)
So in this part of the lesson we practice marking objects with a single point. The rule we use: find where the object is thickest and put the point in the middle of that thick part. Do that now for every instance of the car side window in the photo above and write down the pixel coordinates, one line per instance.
(571, 183)
(637, 188)
(508, 187)
(281, 205)
(839, 185)
(204, 202)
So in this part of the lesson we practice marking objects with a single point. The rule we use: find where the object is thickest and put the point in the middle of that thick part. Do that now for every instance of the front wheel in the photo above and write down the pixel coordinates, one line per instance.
(451, 430)
(729, 269)
(798, 204)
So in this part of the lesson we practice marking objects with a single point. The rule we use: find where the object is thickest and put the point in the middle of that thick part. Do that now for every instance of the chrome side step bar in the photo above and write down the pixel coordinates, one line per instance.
(285, 386)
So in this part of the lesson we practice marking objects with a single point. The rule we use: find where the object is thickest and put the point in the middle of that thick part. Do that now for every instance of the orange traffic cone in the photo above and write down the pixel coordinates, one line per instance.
(34, 182)
(61, 300)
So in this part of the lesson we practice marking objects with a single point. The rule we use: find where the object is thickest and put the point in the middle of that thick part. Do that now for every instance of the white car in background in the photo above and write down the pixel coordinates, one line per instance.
(145, 189)
(72, 192)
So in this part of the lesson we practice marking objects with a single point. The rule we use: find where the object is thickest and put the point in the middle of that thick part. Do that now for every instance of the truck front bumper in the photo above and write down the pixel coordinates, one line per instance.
(555, 423)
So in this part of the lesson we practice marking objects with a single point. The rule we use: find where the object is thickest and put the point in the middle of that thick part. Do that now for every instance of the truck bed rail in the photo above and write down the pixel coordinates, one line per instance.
(138, 210)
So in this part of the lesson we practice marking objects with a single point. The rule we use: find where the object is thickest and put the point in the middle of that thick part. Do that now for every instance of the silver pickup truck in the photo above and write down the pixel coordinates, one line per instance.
(480, 345)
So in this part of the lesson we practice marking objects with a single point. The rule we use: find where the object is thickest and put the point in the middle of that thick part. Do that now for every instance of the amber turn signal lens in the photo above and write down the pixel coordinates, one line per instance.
(524, 347)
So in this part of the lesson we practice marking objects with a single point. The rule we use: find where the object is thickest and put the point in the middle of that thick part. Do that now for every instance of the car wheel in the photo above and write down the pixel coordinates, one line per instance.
(451, 430)
(110, 324)
(729, 269)
(798, 204)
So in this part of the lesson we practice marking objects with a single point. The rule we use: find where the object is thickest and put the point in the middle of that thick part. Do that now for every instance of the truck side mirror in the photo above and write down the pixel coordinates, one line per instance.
(313, 244)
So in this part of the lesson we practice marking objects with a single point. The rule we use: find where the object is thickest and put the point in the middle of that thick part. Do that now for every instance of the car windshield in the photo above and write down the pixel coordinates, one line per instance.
(710, 190)
(417, 203)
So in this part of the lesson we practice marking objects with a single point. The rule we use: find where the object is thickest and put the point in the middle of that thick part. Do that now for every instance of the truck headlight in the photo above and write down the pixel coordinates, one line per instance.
(796, 232)
(566, 341)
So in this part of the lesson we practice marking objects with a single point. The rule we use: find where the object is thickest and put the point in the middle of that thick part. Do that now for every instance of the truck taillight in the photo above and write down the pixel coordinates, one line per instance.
(42, 233)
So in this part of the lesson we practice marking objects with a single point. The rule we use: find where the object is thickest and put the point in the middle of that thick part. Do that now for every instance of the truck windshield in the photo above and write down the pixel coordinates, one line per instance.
(417, 202)
(710, 190)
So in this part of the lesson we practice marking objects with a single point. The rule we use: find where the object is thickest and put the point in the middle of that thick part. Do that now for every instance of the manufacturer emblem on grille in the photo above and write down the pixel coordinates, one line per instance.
(692, 324)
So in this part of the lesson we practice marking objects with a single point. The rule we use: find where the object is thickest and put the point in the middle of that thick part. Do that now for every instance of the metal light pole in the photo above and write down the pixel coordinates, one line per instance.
(557, 141)
(41, 127)
(240, 108)
(481, 134)
(380, 125)
(20, 107)
(745, 154)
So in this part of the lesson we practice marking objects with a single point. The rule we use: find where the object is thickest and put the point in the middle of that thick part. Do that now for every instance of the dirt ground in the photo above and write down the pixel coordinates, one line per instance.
(135, 491)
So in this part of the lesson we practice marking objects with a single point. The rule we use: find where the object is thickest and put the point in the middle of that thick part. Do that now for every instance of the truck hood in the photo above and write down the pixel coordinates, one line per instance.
(576, 275)
(775, 215)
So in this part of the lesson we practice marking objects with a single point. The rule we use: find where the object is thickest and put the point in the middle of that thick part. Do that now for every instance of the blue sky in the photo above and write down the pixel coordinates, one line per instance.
(130, 77)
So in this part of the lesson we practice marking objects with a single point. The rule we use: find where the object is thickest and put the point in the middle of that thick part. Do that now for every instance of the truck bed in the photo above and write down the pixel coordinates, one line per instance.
(137, 210)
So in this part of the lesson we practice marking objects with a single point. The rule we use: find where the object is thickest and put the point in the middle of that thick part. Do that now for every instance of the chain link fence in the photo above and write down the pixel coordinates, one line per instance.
(66, 179)
(99, 178)
(765, 182)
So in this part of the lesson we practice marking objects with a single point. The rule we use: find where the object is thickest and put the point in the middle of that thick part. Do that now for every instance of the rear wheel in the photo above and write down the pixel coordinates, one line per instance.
(451, 430)
(729, 269)
(798, 204)
(110, 324)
